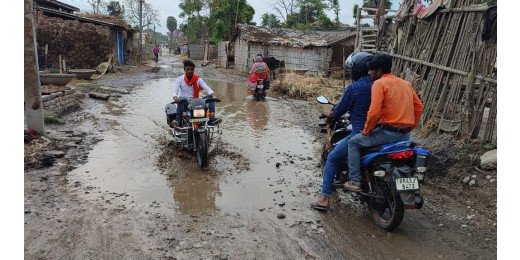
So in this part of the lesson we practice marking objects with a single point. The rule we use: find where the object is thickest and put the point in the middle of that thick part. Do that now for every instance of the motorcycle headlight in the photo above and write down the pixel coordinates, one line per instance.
(199, 113)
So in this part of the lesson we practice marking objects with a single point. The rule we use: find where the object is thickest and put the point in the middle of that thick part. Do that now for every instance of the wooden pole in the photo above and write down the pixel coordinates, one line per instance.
(460, 72)
(59, 61)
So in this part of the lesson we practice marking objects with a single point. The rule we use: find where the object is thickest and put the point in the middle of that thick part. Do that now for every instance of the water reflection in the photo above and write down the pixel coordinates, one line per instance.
(195, 195)
(257, 116)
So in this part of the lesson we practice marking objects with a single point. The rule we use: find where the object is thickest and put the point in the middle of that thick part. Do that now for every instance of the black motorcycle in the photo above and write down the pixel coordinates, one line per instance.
(260, 91)
(336, 129)
(391, 174)
(195, 133)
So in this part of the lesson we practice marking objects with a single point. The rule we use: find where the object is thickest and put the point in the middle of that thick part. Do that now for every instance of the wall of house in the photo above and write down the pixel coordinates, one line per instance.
(82, 45)
(223, 54)
(337, 59)
(196, 51)
(315, 59)
(241, 56)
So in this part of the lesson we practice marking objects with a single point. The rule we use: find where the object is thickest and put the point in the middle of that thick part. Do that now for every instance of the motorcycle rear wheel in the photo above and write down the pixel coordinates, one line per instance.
(202, 150)
(387, 214)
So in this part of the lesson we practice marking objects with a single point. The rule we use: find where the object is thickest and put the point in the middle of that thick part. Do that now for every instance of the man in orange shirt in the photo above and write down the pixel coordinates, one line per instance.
(395, 110)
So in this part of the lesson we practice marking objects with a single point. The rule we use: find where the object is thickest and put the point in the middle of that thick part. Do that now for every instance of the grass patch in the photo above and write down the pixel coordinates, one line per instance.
(308, 87)
(52, 120)
(89, 85)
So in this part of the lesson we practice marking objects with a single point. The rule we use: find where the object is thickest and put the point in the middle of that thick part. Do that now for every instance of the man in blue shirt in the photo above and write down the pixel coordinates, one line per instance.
(356, 101)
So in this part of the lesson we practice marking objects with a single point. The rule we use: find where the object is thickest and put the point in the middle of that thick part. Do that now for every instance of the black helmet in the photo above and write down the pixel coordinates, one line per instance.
(357, 64)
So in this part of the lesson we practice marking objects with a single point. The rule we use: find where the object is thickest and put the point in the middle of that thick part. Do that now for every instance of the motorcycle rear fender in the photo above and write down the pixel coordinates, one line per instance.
(408, 198)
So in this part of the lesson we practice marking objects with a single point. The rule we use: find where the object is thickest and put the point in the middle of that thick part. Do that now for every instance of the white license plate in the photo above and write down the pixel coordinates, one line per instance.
(407, 183)
(259, 86)
(199, 119)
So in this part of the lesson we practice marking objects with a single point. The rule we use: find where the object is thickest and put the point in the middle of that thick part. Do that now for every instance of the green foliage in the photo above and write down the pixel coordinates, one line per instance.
(354, 12)
(220, 23)
(219, 31)
(311, 14)
(171, 23)
(489, 2)
(334, 5)
(375, 4)
(270, 20)
(491, 145)
(325, 23)
(114, 8)
(190, 8)
(310, 10)
(52, 120)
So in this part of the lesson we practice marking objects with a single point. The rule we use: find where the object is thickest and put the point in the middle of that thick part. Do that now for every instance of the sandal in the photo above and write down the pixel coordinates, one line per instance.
(351, 187)
(319, 207)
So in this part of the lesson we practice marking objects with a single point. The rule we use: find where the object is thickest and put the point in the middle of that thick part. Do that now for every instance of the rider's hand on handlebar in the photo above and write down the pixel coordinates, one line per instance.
(329, 114)
(176, 99)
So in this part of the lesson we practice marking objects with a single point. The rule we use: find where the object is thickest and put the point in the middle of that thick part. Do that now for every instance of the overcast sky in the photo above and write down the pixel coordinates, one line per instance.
(171, 8)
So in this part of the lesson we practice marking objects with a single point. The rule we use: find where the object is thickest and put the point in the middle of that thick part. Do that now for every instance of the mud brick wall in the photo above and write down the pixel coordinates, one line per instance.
(59, 103)
(82, 45)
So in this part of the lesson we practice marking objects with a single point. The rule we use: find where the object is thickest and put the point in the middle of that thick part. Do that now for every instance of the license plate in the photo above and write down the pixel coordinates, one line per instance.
(199, 119)
(407, 183)
(259, 86)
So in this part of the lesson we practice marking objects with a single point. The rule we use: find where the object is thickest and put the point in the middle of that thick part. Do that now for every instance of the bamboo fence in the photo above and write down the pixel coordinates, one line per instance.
(451, 67)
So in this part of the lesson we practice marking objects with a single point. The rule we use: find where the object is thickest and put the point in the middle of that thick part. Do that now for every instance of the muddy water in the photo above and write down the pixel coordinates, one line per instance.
(262, 164)
(254, 137)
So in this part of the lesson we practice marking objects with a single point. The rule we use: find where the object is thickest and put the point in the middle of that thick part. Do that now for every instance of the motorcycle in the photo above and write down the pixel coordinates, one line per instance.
(391, 176)
(260, 91)
(194, 134)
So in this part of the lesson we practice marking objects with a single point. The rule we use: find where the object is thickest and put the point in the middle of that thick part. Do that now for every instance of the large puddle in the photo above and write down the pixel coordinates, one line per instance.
(135, 157)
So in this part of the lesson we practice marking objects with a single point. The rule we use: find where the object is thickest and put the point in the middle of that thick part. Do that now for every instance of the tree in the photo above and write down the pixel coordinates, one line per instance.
(354, 13)
(310, 10)
(271, 21)
(96, 5)
(285, 8)
(151, 16)
(171, 23)
(225, 15)
(334, 5)
(114, 8)
(375, 4)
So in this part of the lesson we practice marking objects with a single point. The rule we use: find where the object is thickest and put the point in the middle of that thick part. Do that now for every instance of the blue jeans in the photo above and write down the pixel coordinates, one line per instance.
(359, 141)
(334, 158)
(183, 105)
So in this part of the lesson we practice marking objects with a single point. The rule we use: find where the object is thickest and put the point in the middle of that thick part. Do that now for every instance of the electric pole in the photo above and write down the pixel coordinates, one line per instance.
(140, 32)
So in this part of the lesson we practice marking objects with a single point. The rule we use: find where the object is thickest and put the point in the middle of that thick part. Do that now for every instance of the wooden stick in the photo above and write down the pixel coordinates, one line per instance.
(59, 61)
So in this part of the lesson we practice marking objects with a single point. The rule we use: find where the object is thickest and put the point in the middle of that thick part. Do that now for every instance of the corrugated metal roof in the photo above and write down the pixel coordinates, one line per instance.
(291, 37)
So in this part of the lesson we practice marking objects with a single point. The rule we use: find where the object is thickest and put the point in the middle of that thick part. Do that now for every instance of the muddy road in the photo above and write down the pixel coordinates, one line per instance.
(129, 193)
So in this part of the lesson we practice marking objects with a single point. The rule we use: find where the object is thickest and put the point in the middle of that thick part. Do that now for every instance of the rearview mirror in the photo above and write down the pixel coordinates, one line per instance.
(322, 100)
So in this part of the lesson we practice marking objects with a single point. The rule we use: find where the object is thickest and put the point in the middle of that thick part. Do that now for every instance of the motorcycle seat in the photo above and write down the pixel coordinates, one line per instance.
(371, 149)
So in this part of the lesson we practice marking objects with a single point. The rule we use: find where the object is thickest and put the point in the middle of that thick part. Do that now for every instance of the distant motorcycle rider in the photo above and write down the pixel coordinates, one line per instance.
(188, 86)
(356, 101)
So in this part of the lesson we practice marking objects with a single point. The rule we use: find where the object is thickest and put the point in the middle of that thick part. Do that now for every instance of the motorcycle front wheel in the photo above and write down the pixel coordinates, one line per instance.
(202, 150)
(387, 212)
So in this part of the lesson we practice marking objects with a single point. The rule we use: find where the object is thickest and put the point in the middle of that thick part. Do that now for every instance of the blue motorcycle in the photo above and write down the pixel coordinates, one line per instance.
(391, 177)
